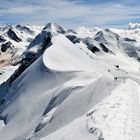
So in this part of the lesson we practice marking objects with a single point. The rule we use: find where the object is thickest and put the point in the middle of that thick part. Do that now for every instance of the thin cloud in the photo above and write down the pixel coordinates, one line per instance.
(18, 10)
(70, 12)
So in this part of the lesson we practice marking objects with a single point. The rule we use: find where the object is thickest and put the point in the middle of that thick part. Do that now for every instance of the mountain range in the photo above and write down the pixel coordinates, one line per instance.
(69, 84)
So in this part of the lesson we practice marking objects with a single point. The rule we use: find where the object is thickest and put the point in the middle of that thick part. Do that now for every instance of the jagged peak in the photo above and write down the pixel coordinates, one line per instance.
(99, 33)
(54, 28)
(106, 32)
(7, 27)
(24, 28)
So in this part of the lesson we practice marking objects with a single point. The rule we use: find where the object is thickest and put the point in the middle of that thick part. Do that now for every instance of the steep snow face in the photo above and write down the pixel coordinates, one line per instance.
(67, 81)
(115, 117)
(109, 39)
(45, 87)
(66, 49)
(49, 30)
(52, 88)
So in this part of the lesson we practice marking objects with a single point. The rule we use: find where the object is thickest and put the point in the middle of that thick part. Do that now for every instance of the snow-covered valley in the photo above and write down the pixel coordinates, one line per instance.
(61, 84)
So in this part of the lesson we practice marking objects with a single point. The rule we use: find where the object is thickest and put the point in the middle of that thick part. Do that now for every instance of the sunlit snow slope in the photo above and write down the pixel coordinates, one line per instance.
(73, 87)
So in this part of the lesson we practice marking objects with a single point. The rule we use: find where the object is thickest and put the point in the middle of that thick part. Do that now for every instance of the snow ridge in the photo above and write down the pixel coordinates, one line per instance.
(84, 80)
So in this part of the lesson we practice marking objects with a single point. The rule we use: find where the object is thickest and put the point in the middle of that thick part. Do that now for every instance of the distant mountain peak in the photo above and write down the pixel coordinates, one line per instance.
(54, 28)
(25, 29)
(132, 26)
(7, 27)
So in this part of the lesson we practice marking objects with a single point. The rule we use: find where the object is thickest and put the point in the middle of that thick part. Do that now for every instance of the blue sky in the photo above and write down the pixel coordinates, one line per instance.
(70, 13)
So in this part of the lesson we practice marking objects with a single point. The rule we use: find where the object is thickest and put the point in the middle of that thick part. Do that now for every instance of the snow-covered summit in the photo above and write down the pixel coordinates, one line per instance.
(51, 29)
(68, 80)
(54, 28)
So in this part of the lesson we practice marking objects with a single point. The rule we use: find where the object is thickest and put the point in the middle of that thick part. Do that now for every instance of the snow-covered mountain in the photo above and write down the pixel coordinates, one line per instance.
(81, 84)
(134, 26)
(13, 42)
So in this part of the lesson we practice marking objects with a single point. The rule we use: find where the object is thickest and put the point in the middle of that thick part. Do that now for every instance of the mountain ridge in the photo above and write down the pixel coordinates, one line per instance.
(66, 80)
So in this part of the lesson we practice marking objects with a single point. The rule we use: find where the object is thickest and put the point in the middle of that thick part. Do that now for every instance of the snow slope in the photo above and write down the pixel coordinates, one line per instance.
(70, 92)
(115, 117)
(43, 93)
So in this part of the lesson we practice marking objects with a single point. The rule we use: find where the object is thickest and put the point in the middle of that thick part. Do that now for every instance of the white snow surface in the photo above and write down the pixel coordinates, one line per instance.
(70, 93)
(6, 72)
(43, 84)
(84, 32)
(115, 117)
